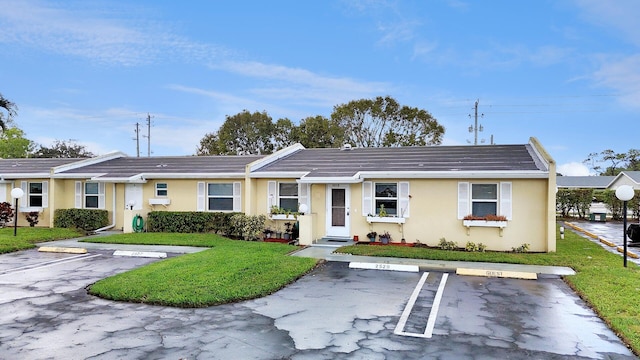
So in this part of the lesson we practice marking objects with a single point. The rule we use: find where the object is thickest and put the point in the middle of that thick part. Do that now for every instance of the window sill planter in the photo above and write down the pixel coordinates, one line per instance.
(30, 209)
(387, 219)
(164, 202)
(484, 223)
(282, 217)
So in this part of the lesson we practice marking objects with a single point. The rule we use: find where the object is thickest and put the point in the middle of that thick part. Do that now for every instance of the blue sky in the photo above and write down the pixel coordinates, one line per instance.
(566, 72)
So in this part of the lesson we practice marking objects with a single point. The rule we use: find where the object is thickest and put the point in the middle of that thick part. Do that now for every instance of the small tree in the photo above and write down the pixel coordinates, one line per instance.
(6, 213)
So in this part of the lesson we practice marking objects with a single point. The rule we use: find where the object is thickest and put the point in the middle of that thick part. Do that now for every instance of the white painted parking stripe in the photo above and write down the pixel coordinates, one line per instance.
(435, 307)
(399, 330)
(48, 264)
(149, 254)
(433, 314)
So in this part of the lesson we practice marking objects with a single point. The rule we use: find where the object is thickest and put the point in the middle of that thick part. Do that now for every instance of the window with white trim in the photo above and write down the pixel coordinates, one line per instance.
(386, 196)
(91, 195)
(161, 189)
(288, 196)
(393, 195)
(34, 194)
(220, 196)
(482, 199)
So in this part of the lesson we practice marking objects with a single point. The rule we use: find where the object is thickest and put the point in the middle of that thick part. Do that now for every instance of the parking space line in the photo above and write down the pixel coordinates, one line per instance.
(433, 314)
(47, 264)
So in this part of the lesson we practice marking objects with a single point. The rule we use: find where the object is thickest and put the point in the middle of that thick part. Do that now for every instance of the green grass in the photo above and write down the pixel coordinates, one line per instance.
(27, 237)
(230, 271)
(601, 280)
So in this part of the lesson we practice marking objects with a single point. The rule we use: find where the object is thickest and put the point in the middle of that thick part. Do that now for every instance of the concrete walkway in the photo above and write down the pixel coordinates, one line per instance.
(608, 234)
(326, 252)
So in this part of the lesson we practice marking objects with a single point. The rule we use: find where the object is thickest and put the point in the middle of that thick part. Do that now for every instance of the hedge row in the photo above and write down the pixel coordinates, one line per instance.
(85, 219)
(191, 222)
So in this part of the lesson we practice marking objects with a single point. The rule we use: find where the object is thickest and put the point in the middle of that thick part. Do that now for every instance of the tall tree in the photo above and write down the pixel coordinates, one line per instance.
(209, 145)
(10, 110)
(318, 132)
(282, 135)
(63, 149)
(14, 145)
(246, 134)
(608, 162)
(383, 122)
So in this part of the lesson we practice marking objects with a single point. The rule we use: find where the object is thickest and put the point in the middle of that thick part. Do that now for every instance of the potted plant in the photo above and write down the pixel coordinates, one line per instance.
(382, 212)
(288, 231)
(372, 236)
(385, 237)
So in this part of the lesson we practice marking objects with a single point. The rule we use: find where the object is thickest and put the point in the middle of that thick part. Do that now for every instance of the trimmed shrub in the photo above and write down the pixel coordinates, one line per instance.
(190, 222)
(6, 213)
(85, 219)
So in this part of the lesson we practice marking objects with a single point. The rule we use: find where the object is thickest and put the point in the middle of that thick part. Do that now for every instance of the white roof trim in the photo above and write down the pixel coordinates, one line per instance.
(90, 161)
(26, 176)
(452, 174)
(193, 176)
(280, 174)
(330, 180)
(274, 157)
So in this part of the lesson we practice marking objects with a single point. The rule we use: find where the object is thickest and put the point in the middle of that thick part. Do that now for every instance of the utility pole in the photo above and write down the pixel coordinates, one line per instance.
(475, 128)
(148, 135)
(137, 139)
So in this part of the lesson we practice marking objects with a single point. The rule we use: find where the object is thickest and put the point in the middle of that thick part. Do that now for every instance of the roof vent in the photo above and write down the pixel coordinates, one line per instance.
(346, 147)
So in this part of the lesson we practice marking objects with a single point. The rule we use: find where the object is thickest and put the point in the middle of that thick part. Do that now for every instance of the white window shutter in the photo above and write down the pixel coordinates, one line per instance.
(303, 195)
(403, 199)
(78, 202)
(25, 196)
(505, 199)
(45, 194)
(200, 197)
(272, 196)
(3, 192)
(367, 198)
(101, 190)
(237, 196)
(463, 200)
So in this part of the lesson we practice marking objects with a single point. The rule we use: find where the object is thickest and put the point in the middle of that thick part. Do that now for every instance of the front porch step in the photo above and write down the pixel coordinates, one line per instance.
(333, 242)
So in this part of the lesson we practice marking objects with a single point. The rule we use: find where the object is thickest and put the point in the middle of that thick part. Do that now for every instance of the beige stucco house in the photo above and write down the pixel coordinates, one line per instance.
(426, 192)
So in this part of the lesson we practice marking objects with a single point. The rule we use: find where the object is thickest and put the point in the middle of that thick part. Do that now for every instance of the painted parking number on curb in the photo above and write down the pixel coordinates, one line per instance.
(491, 273)
(383, 266)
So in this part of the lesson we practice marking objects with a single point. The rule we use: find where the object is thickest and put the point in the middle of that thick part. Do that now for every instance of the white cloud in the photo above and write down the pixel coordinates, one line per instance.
(623, 75)
(76, 29)
(573, 169)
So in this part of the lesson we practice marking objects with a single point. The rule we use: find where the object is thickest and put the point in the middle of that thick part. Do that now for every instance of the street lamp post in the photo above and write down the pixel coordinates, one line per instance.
(16, 193)
(624, 193)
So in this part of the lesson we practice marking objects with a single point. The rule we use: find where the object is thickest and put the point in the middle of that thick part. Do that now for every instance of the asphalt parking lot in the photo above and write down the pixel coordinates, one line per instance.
(332, 313)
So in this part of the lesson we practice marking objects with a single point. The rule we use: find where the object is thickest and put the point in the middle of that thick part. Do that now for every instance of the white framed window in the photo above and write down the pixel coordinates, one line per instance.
(482, 199)
(393, 196)
(288, 196)
(91, 195)
(386, 197)
(162, 189)
(221, 197)
(34, 194)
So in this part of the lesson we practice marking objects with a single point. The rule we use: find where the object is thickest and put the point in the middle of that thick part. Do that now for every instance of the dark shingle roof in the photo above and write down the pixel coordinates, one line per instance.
(125, 167)
(339, 163)
(596, 182)
(12, 167)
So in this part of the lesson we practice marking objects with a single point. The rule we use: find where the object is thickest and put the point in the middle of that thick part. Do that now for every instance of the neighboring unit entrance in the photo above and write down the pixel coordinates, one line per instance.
(338, 210)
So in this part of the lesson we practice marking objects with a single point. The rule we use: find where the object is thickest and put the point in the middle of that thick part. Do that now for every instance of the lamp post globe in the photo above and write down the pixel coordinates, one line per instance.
(624, 193)
(16, 193)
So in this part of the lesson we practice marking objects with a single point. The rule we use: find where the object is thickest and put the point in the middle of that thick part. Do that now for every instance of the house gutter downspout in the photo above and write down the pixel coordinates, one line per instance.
(113, 220)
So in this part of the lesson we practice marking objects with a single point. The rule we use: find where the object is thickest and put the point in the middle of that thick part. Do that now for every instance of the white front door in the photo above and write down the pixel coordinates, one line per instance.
(338, 210)
(133, 195)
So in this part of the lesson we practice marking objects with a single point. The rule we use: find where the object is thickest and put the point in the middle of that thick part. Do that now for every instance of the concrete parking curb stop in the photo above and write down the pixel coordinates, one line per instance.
(67, 250)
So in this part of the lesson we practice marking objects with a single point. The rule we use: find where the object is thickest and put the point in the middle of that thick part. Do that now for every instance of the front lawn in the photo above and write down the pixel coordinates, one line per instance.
(601, 280)
(27, 237)
(230, 271)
